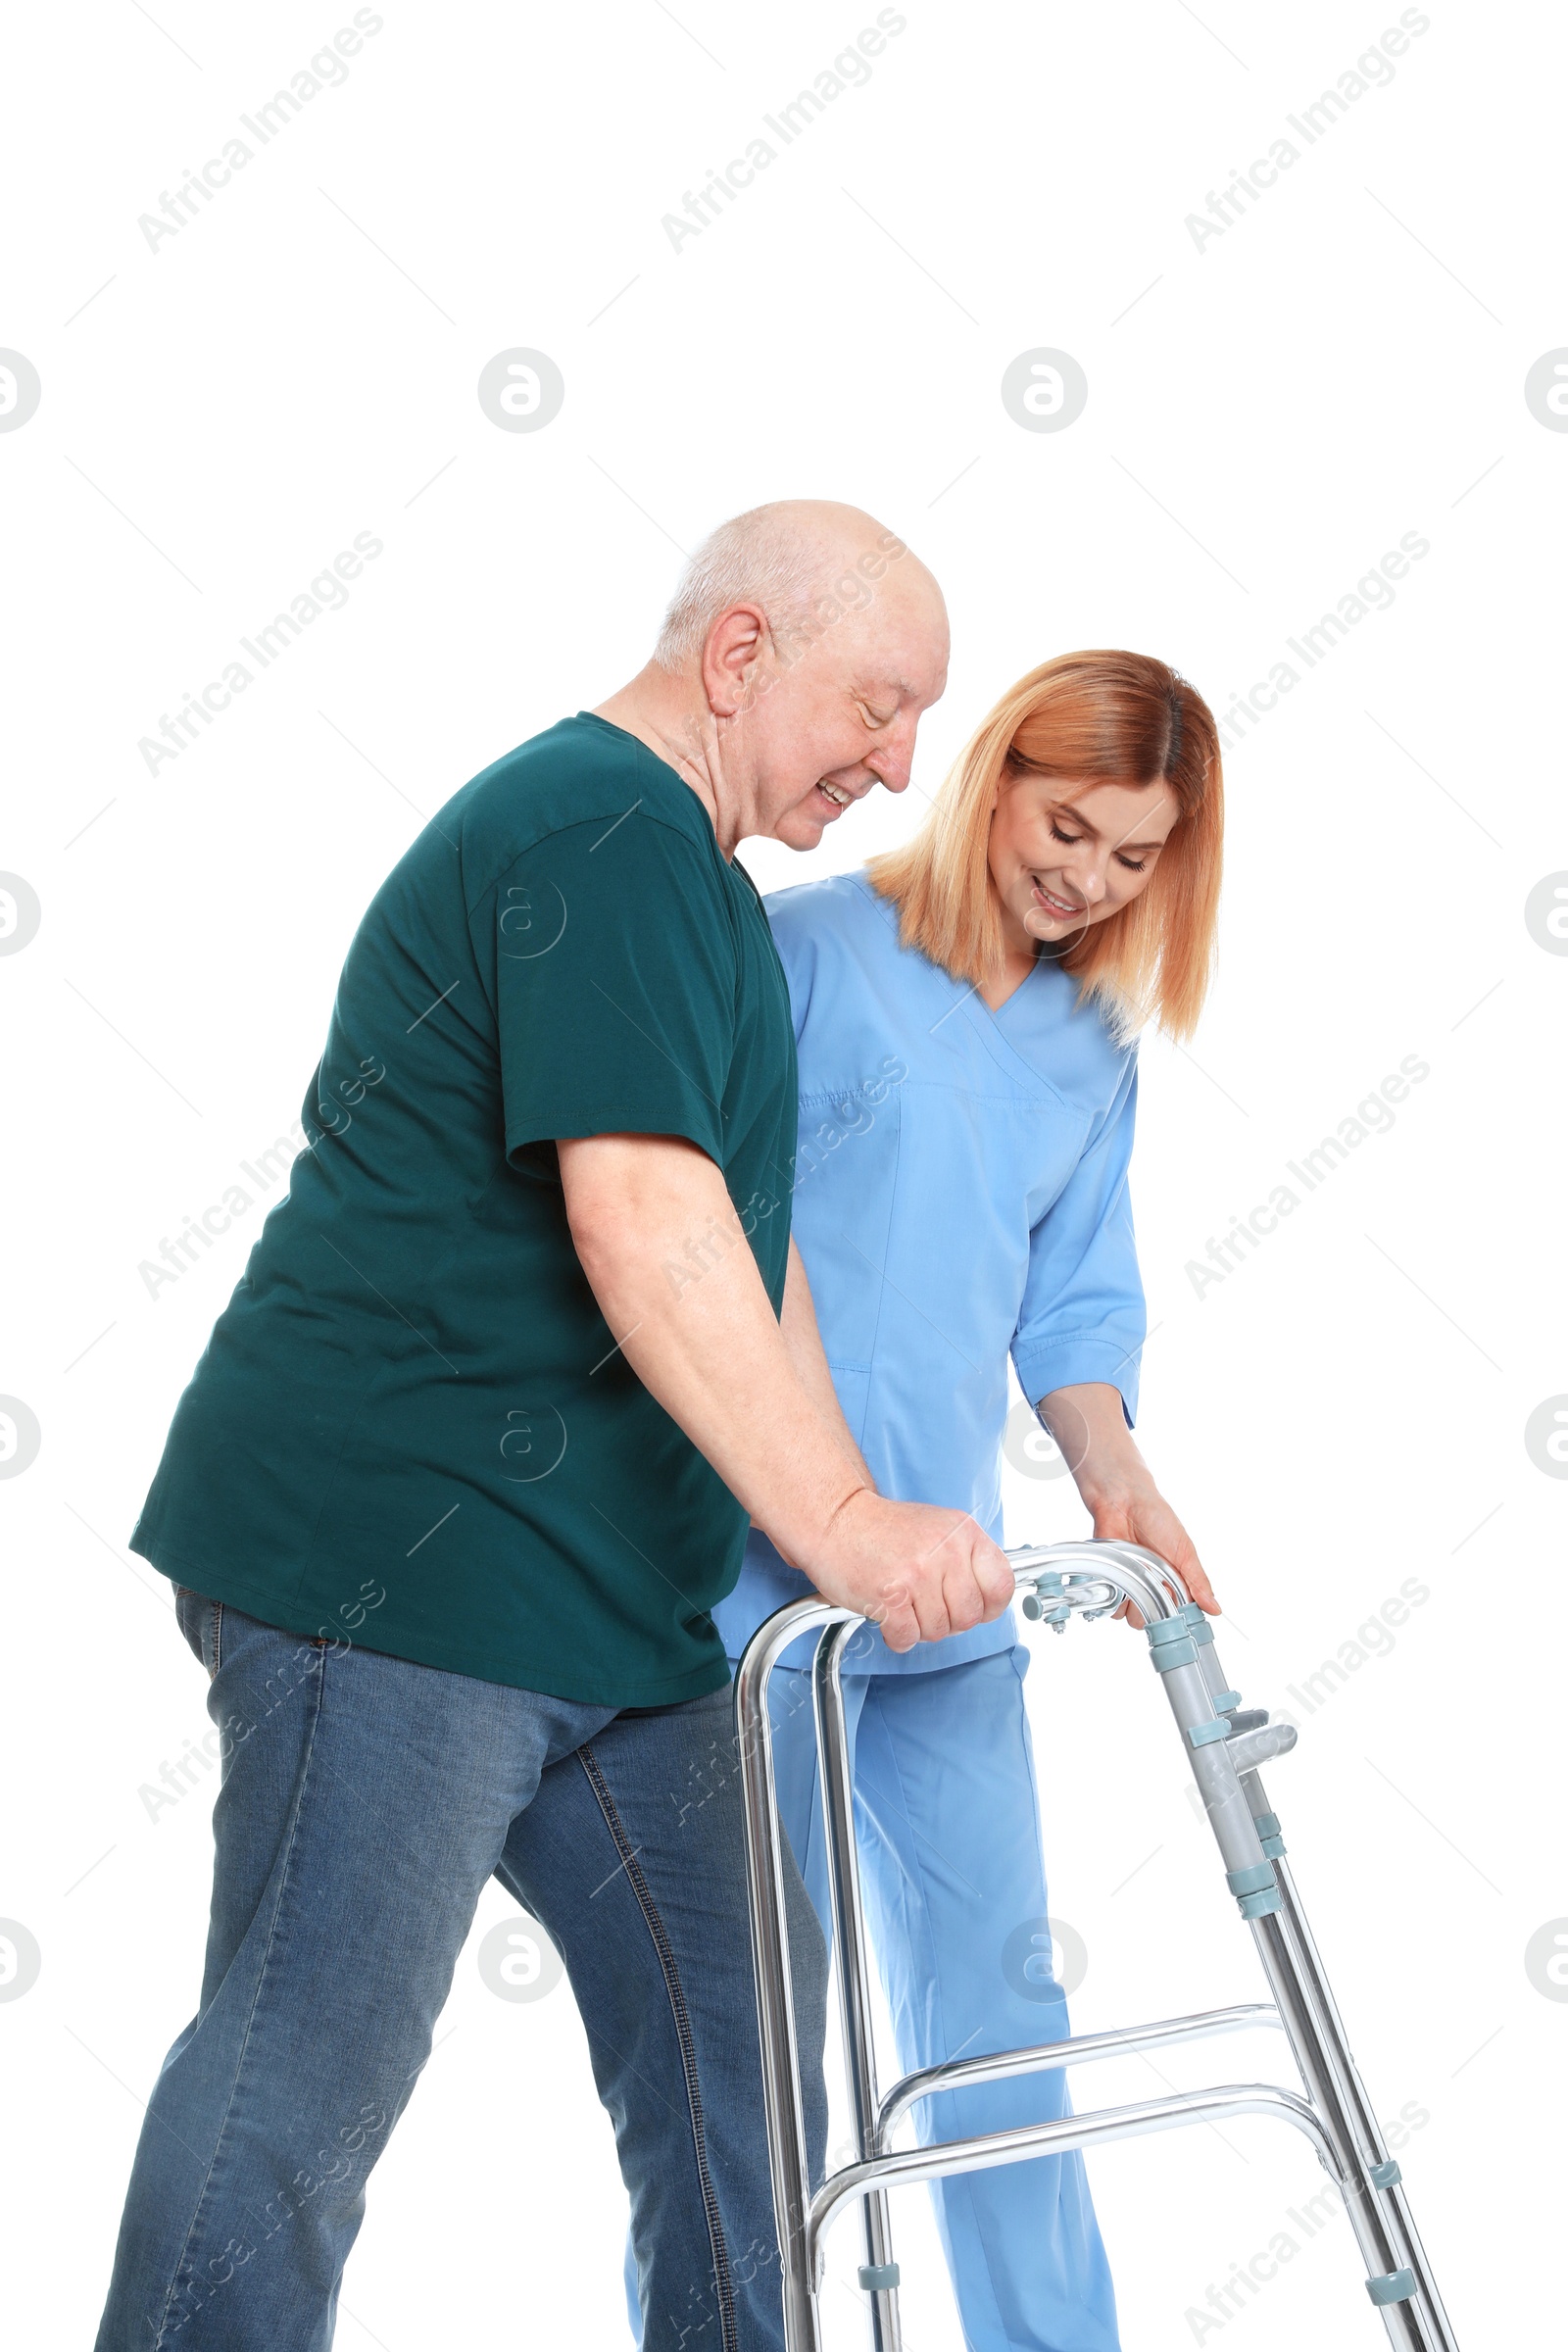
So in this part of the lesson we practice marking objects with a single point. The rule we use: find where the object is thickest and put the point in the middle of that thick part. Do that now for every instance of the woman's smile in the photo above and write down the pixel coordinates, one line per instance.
(1050, 903)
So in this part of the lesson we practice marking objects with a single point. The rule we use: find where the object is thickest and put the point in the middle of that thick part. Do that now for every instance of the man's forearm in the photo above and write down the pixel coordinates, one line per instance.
(660, 1244)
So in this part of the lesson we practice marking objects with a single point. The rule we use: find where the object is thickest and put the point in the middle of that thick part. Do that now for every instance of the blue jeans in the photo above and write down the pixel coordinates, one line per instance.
(365, 1801)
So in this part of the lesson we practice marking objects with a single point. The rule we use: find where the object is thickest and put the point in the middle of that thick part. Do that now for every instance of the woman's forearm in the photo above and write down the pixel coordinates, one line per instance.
(1116, 1482)
(1090, 1427)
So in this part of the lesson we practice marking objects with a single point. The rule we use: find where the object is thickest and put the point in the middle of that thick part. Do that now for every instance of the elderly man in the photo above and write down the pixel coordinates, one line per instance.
(469, 1457)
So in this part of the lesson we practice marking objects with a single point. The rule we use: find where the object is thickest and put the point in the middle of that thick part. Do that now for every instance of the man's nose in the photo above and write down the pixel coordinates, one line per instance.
(893, 756)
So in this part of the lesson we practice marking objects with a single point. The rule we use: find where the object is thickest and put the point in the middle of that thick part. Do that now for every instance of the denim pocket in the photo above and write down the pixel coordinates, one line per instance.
(200, 1620)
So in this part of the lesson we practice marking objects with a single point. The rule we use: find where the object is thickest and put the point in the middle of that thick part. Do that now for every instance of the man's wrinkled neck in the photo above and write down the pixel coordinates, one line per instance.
(676, 725)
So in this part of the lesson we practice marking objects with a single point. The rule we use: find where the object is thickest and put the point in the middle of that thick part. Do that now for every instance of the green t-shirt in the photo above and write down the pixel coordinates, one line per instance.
(410, 1426)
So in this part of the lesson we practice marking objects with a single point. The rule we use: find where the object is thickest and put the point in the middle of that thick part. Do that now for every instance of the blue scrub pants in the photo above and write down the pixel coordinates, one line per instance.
(948, 1831)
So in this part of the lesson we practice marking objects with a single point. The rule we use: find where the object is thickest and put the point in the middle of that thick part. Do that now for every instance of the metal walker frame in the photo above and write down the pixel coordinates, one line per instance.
(1224, 1745)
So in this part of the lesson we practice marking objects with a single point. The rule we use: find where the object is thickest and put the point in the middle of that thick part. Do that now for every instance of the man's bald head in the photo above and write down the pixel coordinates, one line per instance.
(796, 656)
(805, 563)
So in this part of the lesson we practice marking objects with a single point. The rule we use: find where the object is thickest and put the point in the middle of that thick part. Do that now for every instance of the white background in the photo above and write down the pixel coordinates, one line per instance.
(1266, 415)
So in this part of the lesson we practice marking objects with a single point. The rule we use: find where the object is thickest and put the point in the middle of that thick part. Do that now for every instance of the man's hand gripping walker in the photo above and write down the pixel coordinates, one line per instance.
(1224, 1744)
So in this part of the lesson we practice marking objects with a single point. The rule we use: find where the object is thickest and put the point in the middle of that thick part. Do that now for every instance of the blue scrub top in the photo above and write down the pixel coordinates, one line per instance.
(959, 1195)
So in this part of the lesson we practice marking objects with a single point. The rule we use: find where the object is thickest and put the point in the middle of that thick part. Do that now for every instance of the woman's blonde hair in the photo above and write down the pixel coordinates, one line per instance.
(1087, 718)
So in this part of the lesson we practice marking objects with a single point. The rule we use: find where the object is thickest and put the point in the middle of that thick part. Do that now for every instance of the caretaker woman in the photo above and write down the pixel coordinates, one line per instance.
(966, 1010)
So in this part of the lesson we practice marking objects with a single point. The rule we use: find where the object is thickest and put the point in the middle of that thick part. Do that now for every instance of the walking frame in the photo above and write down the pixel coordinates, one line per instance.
(1224, 1744)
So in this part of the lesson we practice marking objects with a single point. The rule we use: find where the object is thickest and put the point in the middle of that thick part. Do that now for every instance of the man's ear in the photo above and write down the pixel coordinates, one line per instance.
(734, 643)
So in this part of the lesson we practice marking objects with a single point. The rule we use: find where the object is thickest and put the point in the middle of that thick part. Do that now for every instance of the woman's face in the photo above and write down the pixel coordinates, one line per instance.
(1064, 855)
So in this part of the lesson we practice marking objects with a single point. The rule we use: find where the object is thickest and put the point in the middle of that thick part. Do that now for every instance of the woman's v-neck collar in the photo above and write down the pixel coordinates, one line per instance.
(997, 1010)
(1030, 980)
(991, 1033)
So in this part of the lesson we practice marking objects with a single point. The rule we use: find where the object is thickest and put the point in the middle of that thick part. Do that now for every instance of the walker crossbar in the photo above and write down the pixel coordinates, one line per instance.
(1044, 2055)
(1073, 2132)
(1223, 1746)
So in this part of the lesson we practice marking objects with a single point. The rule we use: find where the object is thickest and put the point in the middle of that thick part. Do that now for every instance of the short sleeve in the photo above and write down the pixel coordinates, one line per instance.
(1083, 1316)
(616, 976)
(814, 924)
(796, 943)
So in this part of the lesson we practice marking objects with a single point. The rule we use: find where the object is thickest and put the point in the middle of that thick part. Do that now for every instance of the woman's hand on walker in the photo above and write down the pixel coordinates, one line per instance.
(1089, 1426)
(1143, 1516)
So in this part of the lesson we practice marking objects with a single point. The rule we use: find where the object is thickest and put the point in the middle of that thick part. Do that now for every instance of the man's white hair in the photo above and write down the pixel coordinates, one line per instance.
(765, 556)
